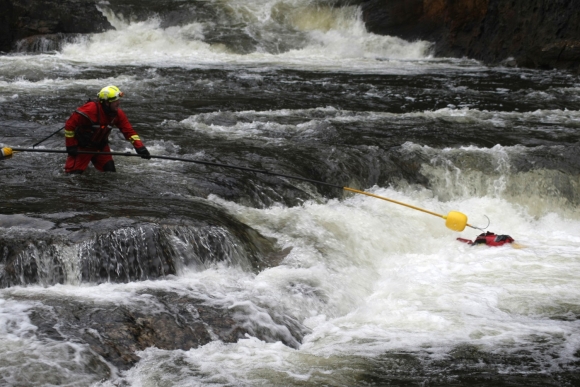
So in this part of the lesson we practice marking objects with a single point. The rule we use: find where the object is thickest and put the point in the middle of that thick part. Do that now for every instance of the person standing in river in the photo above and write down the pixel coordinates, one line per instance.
(88, 129)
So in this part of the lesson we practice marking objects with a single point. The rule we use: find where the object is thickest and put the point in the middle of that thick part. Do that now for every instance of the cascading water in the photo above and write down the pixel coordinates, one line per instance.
(178, 274)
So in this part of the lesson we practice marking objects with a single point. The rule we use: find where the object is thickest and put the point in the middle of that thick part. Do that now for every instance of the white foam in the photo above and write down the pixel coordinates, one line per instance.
(368, 277)
(364, 275)
(338, 34)
(28, 360)
(57, 87)
(24, 222)
(253, 124)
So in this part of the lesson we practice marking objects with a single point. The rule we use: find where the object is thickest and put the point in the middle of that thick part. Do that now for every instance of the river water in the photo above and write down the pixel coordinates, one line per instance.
(332, 289)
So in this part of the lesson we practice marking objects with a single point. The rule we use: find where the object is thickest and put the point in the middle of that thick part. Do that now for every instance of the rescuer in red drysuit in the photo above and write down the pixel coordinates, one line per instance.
(490, 239)
(88, 129)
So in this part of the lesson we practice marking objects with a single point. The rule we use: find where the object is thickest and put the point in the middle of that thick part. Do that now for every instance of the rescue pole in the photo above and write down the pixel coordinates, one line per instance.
(454, 220)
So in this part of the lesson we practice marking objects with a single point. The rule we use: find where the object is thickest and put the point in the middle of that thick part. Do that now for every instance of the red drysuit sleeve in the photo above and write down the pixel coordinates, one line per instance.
(127, 129)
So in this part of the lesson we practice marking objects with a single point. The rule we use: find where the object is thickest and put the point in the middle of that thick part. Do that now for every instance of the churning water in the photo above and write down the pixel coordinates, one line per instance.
(319, 287)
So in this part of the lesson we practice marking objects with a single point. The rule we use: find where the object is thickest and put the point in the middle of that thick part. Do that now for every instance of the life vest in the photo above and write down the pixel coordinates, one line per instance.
(95, 134)
(490, 239)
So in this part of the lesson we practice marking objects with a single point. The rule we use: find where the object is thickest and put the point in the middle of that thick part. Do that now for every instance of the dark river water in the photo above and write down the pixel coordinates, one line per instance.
(334, 289)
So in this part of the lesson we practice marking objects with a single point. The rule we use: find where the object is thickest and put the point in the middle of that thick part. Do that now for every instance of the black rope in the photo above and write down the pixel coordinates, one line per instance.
(43, 140)
(128, 154)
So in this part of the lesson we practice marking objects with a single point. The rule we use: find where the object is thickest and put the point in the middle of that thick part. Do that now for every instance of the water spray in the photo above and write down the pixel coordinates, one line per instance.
(454, 220)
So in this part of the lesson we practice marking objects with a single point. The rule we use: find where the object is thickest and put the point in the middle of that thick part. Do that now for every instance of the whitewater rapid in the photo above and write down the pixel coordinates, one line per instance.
(380, 293)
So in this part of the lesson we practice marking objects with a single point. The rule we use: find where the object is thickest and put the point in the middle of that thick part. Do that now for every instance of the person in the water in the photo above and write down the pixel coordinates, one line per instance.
(489, 239)
(88, 129)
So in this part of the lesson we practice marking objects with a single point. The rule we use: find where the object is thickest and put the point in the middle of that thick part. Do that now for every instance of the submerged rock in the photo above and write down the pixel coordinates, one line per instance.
(157, 318)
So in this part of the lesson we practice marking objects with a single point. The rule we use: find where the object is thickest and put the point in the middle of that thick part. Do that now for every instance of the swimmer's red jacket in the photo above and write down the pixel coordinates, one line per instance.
(489, 239)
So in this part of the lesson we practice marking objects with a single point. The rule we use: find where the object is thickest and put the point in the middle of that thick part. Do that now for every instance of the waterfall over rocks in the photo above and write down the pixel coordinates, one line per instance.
(180, 271)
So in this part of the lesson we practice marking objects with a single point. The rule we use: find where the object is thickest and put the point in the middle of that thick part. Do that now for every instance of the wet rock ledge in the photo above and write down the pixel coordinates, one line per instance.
(541, 34)
(113, 332)
(29, 19)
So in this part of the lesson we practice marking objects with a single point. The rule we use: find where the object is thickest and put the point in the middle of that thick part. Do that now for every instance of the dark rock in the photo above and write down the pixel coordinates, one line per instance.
(534, 33)
(22, 19)
(130, 252)
(166, 321)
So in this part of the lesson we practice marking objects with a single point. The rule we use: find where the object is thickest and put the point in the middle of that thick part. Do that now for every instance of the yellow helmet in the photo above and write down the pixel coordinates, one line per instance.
(110, 93)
